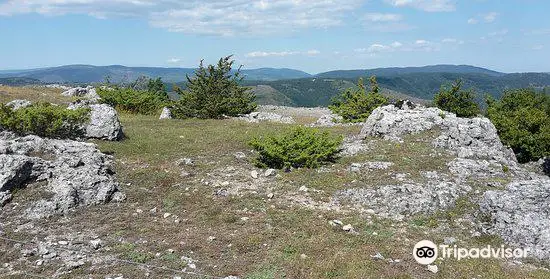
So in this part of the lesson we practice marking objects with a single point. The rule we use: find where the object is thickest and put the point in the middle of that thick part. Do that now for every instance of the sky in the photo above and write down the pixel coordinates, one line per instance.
(310, 35)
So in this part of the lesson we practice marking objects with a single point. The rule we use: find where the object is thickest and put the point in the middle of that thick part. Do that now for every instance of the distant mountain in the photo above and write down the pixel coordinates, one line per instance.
(117, 73)
(16, 81)
(395, 71)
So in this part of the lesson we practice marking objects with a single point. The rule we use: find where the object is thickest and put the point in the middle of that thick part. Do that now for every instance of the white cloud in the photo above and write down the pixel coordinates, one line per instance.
(379, 17)
(313, 52)
(490, 17)
(272, 53)
(425, 5)
(259, 54)
(487, 18)
(537, 47)
(416, 46)
(173, 60)
(499, 33)
(212, 17)
(452, 41)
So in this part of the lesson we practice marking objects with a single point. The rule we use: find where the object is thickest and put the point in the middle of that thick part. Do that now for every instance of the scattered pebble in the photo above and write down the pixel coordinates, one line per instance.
(166, 215)
(270, 172)
(254, 174)
(433, 268)
(347, 228)
(377, 256)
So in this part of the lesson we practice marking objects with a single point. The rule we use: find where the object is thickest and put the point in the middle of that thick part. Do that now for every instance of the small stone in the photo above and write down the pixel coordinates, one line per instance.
(154, 210)
(303, 189)
(270, 195)
(63, 242)
(303, 256)
(355, 167)
(336, 223)
(139, 210)
(171, 251)
(27, 252)
(449, 240)
(347, 228)
(166, 215)
(270, 172)
(211, 238)
(39, 262)
(74, 264)
(49, 256)
(377, 256)
(96, 243)
(245, 219)
(240, 155)
(254, 174)
(225, 183)
(192, 266)
(433, 268)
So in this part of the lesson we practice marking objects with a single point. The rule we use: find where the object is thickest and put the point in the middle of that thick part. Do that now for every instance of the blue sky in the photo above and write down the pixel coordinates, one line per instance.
(310, 35)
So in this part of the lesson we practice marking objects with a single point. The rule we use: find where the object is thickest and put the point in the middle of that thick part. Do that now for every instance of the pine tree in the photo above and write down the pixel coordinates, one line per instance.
(214, 92)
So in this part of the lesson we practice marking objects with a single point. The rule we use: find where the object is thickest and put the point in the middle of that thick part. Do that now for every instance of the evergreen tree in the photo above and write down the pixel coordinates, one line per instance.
(214, 92)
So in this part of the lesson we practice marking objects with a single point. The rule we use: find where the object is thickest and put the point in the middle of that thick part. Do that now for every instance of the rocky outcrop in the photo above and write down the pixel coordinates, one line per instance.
(520, 214)
(88, 92)
(400, 201)
(474, 138)
(77, 173)
(104, 123)
(256, 117)
(166, 113)
(18, 104)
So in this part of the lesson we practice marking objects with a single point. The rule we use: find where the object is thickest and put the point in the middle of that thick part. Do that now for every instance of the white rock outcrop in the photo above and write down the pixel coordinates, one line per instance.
(77, 173)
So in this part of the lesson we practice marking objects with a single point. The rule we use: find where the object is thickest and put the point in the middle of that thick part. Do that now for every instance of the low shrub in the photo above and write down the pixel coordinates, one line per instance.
(214, 92)
(454, 99)
(522, 119)
(355, 104)
(300, 147)
(134, 101)
(45, 120)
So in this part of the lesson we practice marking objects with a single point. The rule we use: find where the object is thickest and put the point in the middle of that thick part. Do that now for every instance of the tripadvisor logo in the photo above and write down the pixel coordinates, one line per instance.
(426, 252)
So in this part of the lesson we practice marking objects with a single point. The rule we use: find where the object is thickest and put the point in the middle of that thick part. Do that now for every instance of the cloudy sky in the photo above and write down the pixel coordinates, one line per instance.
(311, 35)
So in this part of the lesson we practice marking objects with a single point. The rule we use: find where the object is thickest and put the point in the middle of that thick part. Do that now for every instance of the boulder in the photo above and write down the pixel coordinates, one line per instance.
(88, 92)
(520, 214)
(166, 114)
(77, 173)
(17, 104)
(256, 117)
(474, 138)
(104, 123)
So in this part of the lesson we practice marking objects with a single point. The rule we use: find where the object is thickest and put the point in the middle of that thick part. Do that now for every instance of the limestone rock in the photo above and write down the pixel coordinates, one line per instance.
(256, 117)
(104, 123)
(474, 138)
(520, 214)
(400, 201)
(166, 114)
(88, 92)
(77, 173)
(17, 104)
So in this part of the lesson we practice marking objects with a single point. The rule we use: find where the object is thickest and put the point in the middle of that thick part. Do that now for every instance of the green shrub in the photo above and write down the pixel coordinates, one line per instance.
(522, 119)
(454, 99)
(300, 147)
(214, 92)
(355, 104)
(45, 120)
(134, 101)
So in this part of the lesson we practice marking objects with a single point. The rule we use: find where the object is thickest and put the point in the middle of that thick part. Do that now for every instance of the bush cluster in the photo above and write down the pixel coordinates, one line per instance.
(299, 147)
(134, 101)
(214, 92)
(522, 118)
(355, 104)
(454, 99)
(45, 120)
